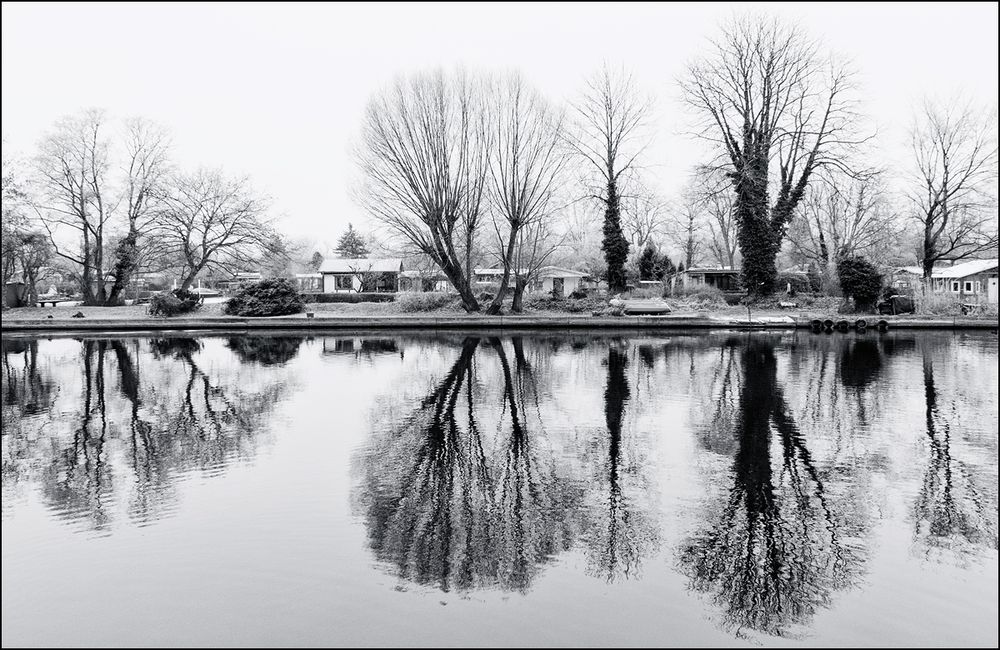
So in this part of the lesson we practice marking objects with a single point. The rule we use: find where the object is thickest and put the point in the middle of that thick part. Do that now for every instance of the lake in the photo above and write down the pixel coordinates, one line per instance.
(689, 488)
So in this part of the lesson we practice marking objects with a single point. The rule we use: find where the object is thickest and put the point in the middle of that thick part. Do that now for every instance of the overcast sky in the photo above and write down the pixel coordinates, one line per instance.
(278, 91)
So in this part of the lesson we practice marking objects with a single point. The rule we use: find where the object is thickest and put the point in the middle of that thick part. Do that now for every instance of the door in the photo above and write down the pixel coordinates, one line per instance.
(991, 291)
(557, 287)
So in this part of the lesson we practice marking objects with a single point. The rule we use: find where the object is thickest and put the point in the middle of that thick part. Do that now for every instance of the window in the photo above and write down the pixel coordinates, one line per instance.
(979, 286)
(344, 282)
(955, 285)
(968, 286)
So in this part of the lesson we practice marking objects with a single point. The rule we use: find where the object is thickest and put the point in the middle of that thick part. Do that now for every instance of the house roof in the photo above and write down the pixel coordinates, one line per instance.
(362, 265)
(966, 269)
(712, 269)
(559, 272)
(544, 272)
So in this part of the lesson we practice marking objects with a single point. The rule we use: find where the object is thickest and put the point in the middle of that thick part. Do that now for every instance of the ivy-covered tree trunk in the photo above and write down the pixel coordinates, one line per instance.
(125, 266)
(614, 244)
(759, 229)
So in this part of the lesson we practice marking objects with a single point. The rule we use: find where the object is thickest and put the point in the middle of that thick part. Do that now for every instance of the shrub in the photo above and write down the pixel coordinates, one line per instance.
(348, 297)
(578, 294)
(172, 303)
(427, 301)
(271, 297)
(799, 282)
(860, 280)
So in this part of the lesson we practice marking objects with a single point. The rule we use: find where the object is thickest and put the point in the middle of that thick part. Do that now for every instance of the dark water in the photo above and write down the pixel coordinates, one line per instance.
(704, 489)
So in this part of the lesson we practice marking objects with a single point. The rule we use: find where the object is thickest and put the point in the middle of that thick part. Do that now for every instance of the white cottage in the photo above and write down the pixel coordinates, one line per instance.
(345, 275)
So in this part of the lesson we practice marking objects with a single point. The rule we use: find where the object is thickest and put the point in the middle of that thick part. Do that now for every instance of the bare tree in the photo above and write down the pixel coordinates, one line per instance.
(424, 158)
(644, 217)
(74, 167)
(527, 161)
(146, 166)
(954, 199)
(686, 229)
(715, 201)
(81, 190)
(766, 96)
(842, 218)
(610, 136)
(209, 222)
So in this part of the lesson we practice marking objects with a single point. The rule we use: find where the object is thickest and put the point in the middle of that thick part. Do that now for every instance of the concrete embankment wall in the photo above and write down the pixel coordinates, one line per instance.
(460, 322)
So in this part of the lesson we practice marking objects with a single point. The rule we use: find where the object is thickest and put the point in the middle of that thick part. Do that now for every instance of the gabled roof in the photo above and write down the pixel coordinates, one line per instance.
(559, 272)
(361, 265)
(966, 269)
(711, 269)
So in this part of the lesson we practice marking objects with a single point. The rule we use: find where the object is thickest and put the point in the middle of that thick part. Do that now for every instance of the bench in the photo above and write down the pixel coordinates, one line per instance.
(52, 301)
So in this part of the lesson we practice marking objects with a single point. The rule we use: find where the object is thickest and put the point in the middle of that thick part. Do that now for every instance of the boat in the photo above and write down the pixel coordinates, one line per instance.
(646, 307)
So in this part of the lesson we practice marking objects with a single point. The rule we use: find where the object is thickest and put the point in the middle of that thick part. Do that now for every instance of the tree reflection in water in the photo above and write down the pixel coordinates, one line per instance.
(447, 510)
(619, 533)
(776, 550)
(951, 511)
(129, 445)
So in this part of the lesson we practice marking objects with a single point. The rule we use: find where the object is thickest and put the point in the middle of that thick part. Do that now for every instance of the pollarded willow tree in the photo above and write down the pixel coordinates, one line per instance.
(610, 135)
(425, 158)
(779, 112)
(527, 164)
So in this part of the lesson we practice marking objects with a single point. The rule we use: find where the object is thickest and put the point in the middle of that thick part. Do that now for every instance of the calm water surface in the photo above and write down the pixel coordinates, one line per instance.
(707, 489)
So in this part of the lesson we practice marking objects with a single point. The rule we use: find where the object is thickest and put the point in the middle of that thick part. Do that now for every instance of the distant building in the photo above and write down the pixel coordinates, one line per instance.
(975, 280)
(724, 278)
(309, 282)
(424, 281)
(550, 279)
(238, 281)
(342, 275)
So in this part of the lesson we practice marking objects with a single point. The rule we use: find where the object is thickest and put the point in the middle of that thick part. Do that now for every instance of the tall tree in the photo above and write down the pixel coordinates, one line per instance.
(210, 222)
(766, 96)
(527, 163)
(424, 157)
(609, 136)
(81, 190)
(351, 245)
(953, 193)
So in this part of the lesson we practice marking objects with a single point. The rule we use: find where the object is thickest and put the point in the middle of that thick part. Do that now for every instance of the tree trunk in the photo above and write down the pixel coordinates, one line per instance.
(516, 305)
(125, 266)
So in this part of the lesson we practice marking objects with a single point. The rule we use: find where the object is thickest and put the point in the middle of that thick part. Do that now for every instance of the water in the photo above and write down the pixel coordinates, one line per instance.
(684, 489)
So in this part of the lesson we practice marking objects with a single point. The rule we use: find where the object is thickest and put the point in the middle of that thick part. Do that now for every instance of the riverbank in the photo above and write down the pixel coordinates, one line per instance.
(377, 316)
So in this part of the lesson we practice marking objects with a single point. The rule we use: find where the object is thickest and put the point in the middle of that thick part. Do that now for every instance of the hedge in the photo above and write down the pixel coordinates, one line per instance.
(348, 297)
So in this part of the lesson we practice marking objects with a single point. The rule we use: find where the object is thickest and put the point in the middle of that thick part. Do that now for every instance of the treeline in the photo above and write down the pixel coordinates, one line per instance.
(464, 167)
(100, 202)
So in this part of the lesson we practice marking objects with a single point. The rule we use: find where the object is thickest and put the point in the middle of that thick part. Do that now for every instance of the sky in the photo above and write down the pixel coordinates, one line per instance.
(278, 91)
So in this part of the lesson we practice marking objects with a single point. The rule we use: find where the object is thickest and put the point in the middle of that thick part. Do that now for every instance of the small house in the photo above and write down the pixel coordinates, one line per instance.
(975, 280)
(344, 275)
(420, 281)
(559, 281)
(724, 278)
(550, 279)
